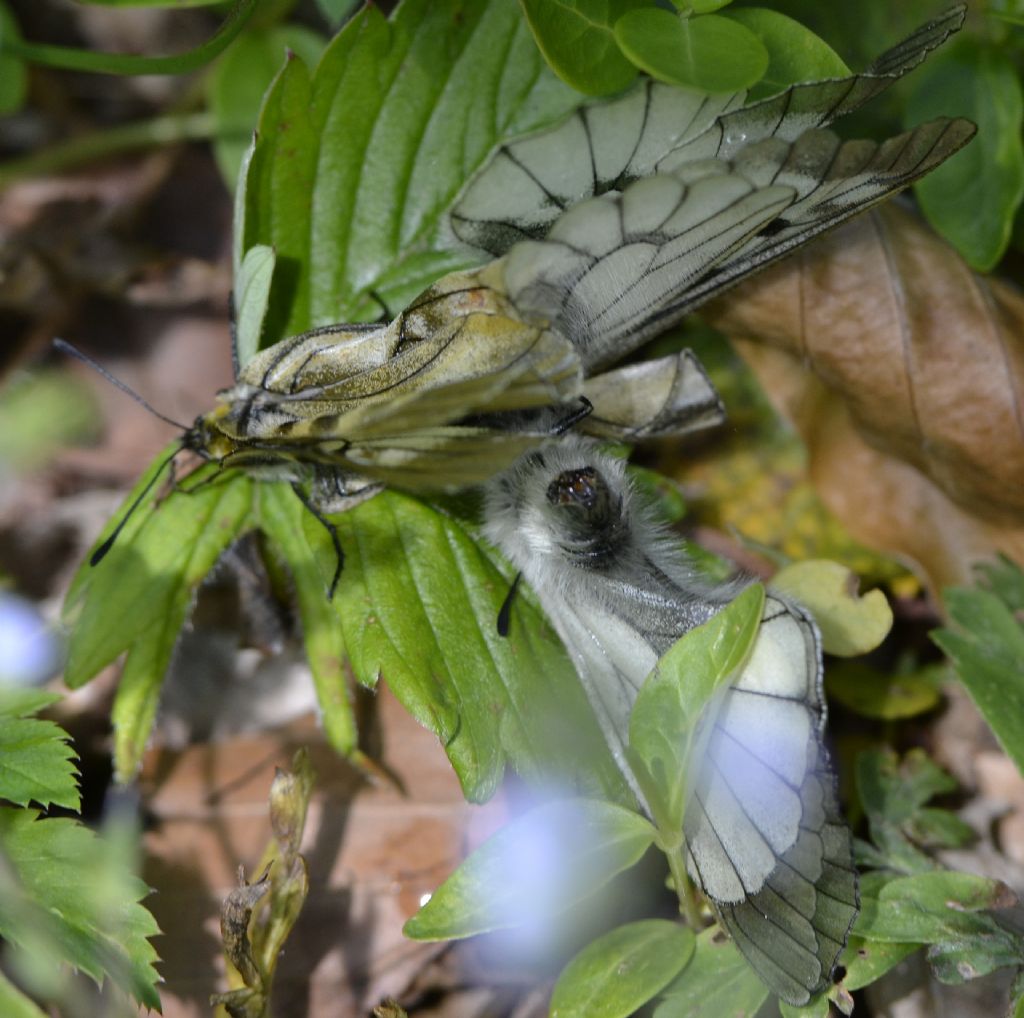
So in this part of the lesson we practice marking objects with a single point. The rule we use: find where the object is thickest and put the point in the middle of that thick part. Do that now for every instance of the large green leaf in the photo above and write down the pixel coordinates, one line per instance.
(355, 164)
(418, 603)
(535, 868)
(972, 199)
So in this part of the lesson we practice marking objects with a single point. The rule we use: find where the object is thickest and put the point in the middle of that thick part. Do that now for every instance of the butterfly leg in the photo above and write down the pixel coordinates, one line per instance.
(332, 530)
(505, 611)
(585, 409)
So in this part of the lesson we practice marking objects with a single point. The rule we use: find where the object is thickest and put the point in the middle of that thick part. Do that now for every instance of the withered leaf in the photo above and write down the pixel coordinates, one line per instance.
(903, 371)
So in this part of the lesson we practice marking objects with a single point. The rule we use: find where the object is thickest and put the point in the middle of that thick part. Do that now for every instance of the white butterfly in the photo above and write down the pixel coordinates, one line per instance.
(765, 841)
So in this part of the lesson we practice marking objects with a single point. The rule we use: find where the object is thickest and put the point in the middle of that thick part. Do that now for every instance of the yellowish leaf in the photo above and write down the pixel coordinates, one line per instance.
(850, 624)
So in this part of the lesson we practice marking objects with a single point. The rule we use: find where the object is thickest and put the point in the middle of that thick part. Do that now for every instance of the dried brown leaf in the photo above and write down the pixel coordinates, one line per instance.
(903, 371)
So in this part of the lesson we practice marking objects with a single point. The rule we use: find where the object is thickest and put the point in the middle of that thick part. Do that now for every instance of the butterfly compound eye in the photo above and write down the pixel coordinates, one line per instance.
(583, 488)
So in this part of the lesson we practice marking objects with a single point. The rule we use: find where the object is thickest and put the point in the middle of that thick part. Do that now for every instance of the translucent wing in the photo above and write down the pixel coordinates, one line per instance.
(617, 269)
(668, 396)
(527, 184)
(765, 839)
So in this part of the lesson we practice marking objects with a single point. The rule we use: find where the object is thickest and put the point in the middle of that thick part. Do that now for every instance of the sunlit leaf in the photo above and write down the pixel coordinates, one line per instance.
(850, 624)
(251, 293)
(37, 762)
(415, 588)
(356, 163)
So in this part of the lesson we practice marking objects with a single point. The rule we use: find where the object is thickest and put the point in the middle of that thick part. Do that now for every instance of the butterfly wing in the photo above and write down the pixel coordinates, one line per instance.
(617, 269)
(667, 396)
(765, 841)
(528, 183)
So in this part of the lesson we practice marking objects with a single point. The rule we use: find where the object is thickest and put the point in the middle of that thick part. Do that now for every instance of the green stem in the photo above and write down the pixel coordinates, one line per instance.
(113, 141)
(684, 891)
(73, 59)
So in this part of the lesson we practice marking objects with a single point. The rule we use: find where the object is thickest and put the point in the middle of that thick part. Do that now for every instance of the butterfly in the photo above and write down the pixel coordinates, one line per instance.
(765, 841)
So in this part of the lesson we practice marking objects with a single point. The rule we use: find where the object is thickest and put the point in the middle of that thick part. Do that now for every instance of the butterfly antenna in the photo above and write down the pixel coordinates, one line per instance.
(67, 348)
(98, 555)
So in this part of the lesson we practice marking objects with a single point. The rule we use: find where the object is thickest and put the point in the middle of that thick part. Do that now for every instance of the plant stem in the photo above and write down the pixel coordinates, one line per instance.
(681, 881)
(100, 144)
(70, 58)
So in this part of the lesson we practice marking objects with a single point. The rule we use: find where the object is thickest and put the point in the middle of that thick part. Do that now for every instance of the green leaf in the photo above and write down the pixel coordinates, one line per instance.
(159, 558)
(72, 59)
(36, 758)
(334, 12)
(717, 981)
(894, 790)
(987, 649)
(538, 866)
(893, 794)
(672, 698)
(883, 695)
(59, 892)
(817, 1007)
(619, 972)
(13, 76)
(868, 960)
(240, 79)
(934, 908)
(283, 519)
(355, 165)
(710, 53)
(576, 39)
(42, 413)
(971, 200)
(850, 624)
(415, 601)
(150, 3)
(938, 828)
(14, 1003)
(704, 6)
(795, 53)
(137, 598)
(1006, 580)
(252, 292)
